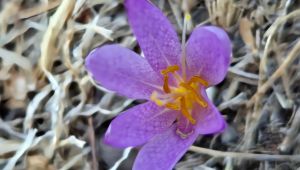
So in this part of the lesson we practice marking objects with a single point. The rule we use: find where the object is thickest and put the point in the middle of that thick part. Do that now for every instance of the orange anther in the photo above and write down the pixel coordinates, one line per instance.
(197, 79)
(166, 84)
(170, 69)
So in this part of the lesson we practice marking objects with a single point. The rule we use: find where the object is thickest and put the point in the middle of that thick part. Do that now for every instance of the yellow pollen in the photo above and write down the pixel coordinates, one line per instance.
(183, 97)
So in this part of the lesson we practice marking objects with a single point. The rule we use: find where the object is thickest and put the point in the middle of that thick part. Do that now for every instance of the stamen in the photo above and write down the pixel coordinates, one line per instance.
(170, 69)
(182, 97)
(155, 99)
(198, 98)
(172, 106)
(200, 101)
(166, 84)
(197, 79)
(185, 111)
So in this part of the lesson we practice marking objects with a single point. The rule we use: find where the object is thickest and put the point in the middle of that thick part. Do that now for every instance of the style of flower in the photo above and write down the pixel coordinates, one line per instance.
(173, 77)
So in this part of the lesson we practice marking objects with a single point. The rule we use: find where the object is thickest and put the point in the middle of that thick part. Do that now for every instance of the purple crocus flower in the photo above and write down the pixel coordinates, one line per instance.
(172, 77)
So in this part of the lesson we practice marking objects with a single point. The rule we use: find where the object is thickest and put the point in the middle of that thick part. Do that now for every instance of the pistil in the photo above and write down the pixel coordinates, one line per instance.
(187, 17)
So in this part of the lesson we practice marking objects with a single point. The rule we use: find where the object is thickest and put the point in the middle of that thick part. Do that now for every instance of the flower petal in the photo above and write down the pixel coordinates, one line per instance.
(139, 124)
(209, 119)
(121, 70)
(222, 35)
(155, 34)
(163, 151)
(208, 54)
(212, 123)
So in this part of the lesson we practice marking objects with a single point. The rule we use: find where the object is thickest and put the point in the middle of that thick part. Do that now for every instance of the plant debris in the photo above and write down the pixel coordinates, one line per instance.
(53, 115)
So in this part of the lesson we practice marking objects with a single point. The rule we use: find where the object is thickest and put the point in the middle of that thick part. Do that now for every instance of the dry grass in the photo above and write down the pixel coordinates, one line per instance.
(53, 116)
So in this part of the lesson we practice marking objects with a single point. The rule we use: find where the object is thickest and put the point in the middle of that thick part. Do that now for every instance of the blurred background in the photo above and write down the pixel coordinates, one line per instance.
(53, 115)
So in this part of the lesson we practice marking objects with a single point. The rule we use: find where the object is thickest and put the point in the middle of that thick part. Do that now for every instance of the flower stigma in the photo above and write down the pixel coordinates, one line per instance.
(183, 95)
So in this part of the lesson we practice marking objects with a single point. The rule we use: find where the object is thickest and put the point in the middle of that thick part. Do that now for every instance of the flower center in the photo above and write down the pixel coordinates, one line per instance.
(181, 97)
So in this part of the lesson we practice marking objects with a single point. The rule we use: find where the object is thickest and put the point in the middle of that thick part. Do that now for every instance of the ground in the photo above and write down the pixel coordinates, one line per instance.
(53, 115)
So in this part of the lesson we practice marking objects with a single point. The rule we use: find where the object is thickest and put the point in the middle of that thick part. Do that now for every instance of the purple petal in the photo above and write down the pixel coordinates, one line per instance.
(208, 54)
(121, 70)
(139, 124)
(222, 35)
(213, 122)
(163, 151)
(209, 119)
(155, 34)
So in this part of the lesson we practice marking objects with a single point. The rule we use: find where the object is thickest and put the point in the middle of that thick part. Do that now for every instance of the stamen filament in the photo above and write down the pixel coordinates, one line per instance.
(162, 100)
(185, 111)
(200, 101)
(172, 106)
(155, 99)
(198, 98)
